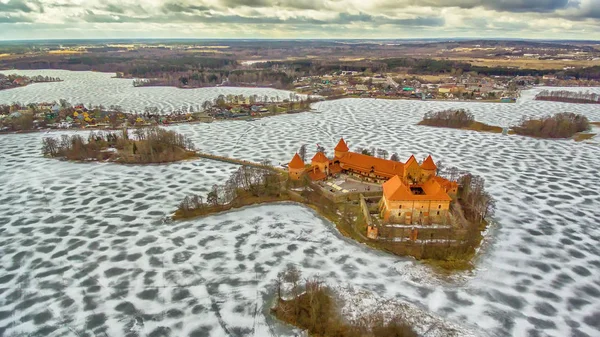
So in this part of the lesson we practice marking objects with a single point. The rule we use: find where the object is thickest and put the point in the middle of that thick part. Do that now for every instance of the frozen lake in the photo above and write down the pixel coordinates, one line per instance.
(84, 249)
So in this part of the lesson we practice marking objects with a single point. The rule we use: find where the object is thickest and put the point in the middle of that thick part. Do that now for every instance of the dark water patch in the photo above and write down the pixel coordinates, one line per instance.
(5, 314)
(161, 331)
(127, 233)
(60, 253)
(593, 320)
(89, 303)
(94, 321)
(148, 294)
(545, 309)
(141, 207)
(93, 289)
(89, 267)
(541, 323)
(197, 309)
(203, 331)
(146, 240)
(66, 302)
(90, 281)
(52, 272)
(27, 303)
(540, 265)
(566, 241)
(42, 317)
(576, 254)
(576, 303)
(133, 257)
(119, 257)
(591, 291)
(104, 201)
(48, 230)
(149, 277)
(453, 296)
(155, 251)
(181, 257)
(175, 313)
(6, 278)
(179, 294)
(582, 271)
(126, 308)
(213, 255)
(43, 331)
(548, 295)
(115, 271)
(514, 302)
(156, 262)
(28, 242)
(525, 250)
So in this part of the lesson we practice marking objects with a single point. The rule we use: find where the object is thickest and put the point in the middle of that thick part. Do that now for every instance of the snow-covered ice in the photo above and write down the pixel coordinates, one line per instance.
(85, 250)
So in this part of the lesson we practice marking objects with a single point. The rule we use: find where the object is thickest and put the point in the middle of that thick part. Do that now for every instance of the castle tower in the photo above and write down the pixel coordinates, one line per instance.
(428, 168)
(341, 149)
(322, 162)
(296, 167)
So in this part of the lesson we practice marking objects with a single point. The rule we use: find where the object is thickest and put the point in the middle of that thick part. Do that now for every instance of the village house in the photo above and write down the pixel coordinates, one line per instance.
(412, 192)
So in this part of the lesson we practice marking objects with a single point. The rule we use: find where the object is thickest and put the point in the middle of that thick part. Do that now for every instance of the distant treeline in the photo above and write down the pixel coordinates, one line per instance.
(203, 78)
(568, 97)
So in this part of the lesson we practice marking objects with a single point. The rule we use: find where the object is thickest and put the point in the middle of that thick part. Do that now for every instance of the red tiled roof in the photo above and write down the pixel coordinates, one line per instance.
(445, 183)
(410, 160)
(316, 175)
(342, 146)
(364, 163)
(395, 190)
(296, 162)
(428, 164)
(335, 168)
(320, 158)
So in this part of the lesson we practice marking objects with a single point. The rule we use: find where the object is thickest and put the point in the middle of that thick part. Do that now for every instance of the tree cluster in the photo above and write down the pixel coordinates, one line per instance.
(246, 181)
(152, 145)
(568, 96)
(561, 125)
(451, 118)
(312, 307)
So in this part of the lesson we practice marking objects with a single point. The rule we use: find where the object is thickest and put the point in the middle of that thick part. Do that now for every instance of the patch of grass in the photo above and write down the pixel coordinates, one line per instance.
(580, 137)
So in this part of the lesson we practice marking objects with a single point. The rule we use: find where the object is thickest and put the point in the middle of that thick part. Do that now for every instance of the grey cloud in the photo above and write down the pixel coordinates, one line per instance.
(14, 19)
(20, 6)
(179, 7)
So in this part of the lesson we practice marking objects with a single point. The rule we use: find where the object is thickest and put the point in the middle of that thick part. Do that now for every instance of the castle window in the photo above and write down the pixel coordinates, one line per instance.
(438, 213)
(440, 207)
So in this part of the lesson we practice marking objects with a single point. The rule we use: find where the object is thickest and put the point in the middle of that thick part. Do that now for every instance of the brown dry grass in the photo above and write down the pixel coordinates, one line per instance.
(580, 137)
(525, 63)
(66, 52)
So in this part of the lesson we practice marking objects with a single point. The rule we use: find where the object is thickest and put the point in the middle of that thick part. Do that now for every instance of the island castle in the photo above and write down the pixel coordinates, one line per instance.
(411, 192)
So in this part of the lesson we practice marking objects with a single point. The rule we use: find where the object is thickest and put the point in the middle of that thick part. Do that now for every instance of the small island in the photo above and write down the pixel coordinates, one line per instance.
(457, 119)
(312, 306)
(149, 146)
(566, 96)
(14, 81)
(559, 126)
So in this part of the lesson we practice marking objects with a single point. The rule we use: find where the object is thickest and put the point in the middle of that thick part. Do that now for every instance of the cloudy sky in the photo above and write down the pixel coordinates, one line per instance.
(53, 19)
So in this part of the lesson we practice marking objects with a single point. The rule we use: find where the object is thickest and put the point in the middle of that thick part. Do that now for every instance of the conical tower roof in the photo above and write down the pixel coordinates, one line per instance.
(342, 146)
(428, 164)
(296, 162)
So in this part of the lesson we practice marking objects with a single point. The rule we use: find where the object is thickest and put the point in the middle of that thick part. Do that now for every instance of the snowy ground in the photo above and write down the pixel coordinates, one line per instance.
(83, 247)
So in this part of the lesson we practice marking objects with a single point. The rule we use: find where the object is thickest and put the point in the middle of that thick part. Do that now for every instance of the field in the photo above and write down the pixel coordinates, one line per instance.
(526, 63)
(87, 247)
